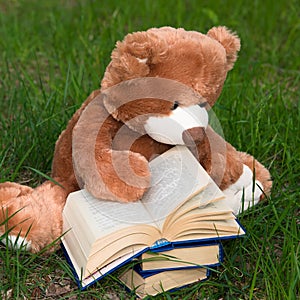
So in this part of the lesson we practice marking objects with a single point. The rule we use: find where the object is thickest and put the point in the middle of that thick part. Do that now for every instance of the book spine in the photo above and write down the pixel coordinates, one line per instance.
(69, 261)
(161, 244)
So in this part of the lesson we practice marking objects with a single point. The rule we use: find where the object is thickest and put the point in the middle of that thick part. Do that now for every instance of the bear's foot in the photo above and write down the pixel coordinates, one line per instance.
(251, 187)
(261, 173)
(9, 192)
(30, 218)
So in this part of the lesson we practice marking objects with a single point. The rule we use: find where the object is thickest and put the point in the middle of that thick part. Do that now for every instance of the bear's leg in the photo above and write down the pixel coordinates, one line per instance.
(242, 178)
(31, 218)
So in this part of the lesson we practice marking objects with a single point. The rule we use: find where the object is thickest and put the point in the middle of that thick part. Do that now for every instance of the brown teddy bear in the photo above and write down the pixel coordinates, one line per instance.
(155, 93)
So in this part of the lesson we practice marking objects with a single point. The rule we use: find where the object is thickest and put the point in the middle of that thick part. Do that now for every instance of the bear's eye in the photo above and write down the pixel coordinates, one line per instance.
(203, 104)
(175, 105)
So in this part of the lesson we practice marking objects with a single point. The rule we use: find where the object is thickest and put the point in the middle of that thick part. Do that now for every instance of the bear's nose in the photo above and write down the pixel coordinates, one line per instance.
(193, 136)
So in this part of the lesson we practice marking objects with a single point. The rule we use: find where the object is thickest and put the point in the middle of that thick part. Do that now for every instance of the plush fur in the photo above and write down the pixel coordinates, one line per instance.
(105, 148)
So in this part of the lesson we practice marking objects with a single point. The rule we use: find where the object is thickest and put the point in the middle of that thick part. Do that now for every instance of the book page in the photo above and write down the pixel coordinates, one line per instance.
(176, 177)
(203, 200)
(194, 229)
(213, 209)
(98, 218)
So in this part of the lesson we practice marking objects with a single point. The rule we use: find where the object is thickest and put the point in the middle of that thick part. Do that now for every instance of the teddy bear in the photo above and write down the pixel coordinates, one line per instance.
(155, 93)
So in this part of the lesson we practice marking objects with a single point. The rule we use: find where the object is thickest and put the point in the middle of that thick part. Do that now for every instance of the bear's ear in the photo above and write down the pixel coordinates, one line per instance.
(229, 40)
(146, 46)
(132, 57)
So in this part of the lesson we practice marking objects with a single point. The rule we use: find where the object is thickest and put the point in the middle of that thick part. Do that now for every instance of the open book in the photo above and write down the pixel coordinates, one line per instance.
(160, 282)
(183, 205)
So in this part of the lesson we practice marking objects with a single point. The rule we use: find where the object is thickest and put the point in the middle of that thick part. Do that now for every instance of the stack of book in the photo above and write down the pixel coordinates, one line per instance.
(173, 235)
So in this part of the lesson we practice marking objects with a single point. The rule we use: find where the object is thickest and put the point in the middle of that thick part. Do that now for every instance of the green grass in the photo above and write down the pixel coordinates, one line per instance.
(54, 53)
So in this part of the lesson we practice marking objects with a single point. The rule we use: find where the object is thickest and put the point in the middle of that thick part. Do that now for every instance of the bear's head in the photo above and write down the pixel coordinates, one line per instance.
(166, 77)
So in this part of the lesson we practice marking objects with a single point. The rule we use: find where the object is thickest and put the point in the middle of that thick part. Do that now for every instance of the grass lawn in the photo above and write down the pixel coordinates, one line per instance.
(54, 53)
